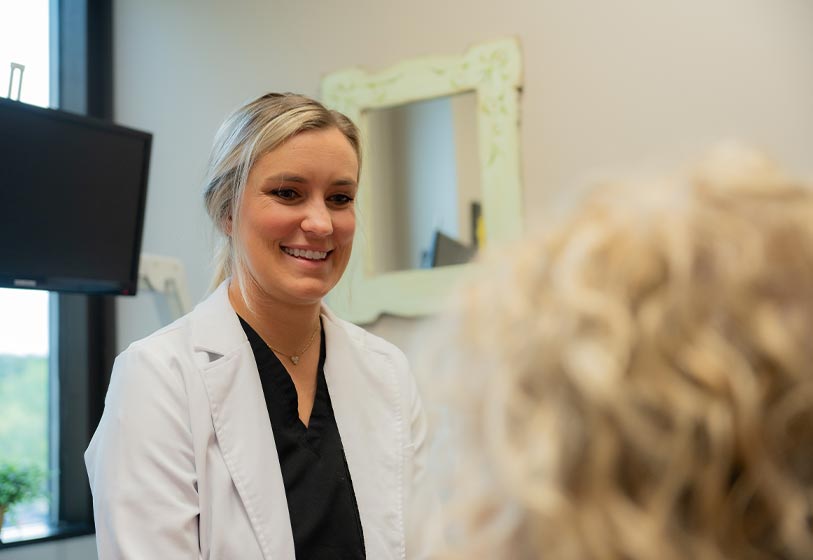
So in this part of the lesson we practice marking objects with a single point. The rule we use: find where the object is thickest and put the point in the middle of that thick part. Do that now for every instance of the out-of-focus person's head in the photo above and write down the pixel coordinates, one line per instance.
(637, 382)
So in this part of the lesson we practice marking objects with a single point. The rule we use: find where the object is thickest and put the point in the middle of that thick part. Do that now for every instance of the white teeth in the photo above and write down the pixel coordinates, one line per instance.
(302, 253)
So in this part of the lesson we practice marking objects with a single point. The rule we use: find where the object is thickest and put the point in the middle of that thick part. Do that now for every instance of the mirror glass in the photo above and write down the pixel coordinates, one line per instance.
(424, 183)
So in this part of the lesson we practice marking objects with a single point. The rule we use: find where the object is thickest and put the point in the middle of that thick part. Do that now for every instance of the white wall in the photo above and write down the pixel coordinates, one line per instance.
(606, 84)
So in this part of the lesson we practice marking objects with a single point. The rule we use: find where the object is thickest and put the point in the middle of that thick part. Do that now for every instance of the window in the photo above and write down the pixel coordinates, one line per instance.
(24, 397)
(26, 407)
(81, 337)
(25, 38)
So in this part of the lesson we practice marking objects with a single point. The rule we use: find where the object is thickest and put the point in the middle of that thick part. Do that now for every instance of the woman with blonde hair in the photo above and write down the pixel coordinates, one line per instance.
(260, 425)
(637, 382)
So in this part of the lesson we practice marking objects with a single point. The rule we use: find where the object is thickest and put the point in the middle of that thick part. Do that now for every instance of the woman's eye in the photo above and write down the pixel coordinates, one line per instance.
(285, 194)
(340, 199)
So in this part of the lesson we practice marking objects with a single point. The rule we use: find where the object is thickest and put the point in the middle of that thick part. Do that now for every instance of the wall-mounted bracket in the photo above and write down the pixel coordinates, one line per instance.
(21, 68)
(165, 276)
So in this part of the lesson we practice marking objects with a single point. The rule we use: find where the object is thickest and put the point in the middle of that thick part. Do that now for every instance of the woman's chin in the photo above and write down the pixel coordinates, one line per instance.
(305, 291)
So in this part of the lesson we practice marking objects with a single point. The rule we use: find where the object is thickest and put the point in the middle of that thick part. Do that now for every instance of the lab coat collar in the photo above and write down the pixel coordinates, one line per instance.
(216, 328)
(217, 332)
(241, 422)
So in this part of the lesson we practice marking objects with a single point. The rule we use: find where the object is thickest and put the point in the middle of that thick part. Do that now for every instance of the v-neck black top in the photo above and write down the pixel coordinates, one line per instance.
(321, 501)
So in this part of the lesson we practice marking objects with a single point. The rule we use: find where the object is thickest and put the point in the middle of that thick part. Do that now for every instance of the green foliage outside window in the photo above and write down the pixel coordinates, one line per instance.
(19, 484)
(24, 410)
(23, 429)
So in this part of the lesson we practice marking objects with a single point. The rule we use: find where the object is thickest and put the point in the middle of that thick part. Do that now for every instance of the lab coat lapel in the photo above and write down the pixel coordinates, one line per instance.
(365, 397)
(241, 422)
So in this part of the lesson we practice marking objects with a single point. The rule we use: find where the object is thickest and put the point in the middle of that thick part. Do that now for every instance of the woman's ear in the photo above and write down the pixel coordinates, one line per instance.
(227, 225)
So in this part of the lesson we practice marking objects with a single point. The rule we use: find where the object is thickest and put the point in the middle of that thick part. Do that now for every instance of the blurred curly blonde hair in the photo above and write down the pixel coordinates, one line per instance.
(638, 382)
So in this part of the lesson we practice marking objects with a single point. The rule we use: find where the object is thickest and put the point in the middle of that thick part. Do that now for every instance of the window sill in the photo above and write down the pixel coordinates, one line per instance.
(42, 532)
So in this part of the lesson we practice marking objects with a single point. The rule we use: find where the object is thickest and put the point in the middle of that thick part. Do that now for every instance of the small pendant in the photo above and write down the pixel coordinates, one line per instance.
(295, 359)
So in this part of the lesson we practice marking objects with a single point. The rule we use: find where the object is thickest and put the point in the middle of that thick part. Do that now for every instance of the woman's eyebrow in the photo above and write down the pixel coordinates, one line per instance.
(281, 178)
(286, 178)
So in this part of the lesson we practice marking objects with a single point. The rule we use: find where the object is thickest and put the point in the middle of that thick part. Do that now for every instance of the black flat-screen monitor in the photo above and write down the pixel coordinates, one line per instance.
(72, 196)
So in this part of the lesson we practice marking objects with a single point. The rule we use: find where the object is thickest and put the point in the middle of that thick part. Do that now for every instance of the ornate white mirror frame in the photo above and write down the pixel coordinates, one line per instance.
(493, 72)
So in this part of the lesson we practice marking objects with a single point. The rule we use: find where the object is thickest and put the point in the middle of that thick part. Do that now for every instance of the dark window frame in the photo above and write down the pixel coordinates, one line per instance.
(85, 334)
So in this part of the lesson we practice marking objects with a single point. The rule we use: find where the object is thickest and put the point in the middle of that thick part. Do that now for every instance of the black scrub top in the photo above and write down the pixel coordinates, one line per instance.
(321, 501)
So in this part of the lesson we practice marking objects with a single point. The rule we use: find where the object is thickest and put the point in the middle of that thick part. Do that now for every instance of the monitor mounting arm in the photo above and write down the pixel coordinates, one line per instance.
(21, 68)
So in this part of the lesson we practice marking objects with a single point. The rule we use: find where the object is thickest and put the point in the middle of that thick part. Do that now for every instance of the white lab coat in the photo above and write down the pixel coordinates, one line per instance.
(183, 463)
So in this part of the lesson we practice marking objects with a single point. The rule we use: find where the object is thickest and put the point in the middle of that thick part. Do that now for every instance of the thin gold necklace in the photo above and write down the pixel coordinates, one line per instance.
(295, 357)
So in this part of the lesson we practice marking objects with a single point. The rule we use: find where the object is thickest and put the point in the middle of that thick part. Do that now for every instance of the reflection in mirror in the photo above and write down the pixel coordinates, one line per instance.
(425, 183)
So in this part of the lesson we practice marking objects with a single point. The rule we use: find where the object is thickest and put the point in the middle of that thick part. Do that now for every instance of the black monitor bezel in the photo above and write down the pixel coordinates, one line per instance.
(90, 285)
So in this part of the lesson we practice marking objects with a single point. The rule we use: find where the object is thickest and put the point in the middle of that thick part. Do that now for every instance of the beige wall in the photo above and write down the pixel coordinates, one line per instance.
(607, 83)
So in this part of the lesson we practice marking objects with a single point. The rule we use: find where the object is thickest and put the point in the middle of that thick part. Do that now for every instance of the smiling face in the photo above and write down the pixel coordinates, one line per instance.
(297, 217)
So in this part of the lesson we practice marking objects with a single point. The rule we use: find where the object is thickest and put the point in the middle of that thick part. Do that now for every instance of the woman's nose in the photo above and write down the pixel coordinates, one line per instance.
(317, 220)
